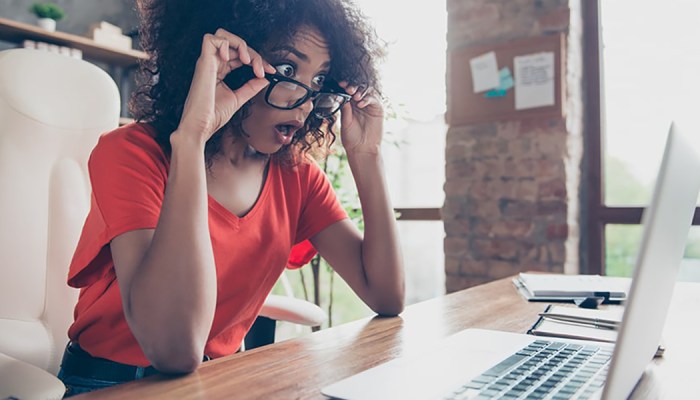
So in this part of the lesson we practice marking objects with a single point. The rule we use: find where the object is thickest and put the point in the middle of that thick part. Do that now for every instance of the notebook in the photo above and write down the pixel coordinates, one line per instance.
(477, 363)
(578, 323)
(557, 287)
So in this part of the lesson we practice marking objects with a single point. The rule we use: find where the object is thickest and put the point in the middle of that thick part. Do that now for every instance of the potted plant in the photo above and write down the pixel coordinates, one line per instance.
(48, 14)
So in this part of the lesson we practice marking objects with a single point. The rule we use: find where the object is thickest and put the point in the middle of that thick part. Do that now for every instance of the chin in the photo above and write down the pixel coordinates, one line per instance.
(262, 151)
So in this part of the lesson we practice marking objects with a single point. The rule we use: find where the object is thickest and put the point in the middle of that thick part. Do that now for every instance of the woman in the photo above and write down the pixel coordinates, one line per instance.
(196, 207)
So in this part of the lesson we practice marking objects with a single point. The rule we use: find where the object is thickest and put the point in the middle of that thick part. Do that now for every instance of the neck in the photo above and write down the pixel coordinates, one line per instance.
(235, 149)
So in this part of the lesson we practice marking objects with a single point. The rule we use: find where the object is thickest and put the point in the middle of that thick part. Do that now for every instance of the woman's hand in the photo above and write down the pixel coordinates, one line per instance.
(361, 121)
(210, 102)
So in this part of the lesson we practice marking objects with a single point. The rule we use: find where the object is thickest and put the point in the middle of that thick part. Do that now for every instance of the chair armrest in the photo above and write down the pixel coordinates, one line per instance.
(22, 380)
(290, 309)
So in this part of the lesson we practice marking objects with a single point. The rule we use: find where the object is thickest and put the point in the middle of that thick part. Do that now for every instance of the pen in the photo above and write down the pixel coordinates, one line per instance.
(593, 322)
(580, 318)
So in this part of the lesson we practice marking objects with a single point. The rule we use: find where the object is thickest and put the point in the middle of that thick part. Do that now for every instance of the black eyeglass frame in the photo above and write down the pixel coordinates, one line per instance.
(329, 87)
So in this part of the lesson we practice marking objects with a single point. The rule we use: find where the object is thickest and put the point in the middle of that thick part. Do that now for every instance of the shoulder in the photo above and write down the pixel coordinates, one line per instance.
(129, 143)
(134, 135)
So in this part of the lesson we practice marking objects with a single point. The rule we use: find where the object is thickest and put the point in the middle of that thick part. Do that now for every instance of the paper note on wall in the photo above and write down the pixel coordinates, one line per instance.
(505, 83)
(484, 72)
(534, 80)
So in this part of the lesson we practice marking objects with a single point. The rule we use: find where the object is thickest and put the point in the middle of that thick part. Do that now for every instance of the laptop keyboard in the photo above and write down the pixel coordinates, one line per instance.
(542, 370)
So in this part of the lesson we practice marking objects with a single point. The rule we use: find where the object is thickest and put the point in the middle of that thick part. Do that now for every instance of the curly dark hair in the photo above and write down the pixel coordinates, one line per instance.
(171, 33)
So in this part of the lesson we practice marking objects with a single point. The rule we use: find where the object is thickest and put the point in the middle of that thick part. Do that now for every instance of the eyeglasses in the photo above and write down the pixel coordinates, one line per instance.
(286, 94)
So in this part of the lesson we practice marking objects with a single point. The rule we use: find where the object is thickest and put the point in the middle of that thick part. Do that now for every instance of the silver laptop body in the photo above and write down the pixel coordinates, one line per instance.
(443, 369)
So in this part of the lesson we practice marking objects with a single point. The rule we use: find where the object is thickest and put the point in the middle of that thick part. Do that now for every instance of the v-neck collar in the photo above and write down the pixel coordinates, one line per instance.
(270, 170)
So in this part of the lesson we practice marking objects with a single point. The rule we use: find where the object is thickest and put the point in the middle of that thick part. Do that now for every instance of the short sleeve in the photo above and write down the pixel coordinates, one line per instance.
(321, 207)
(128, 172)
(128, 176)
(302, 253)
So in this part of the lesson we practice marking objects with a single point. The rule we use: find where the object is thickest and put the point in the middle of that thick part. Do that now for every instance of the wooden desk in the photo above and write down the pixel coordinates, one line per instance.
(298, 368)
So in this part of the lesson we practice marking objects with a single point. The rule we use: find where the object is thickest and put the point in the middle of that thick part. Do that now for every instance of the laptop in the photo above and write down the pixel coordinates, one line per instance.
(481, 364)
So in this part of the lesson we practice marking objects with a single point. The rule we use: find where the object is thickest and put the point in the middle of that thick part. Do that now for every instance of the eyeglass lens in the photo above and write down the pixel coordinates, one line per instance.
(286, 94)
(327, 103)
(289, 95)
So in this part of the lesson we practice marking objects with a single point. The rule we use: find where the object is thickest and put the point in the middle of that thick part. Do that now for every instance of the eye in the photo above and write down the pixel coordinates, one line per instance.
(319, 80)
(286, 70)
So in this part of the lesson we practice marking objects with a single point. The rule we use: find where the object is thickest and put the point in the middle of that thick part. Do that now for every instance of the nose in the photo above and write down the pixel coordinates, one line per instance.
(307, 106)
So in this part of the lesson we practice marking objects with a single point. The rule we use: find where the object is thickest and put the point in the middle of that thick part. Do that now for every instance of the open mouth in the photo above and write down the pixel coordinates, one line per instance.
(285, 129)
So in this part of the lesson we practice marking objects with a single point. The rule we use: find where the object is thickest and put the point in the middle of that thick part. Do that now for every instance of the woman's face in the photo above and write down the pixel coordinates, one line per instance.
(307, 60)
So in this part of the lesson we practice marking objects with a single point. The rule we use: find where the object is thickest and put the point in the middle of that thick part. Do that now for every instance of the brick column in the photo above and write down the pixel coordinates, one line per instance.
(512, 187)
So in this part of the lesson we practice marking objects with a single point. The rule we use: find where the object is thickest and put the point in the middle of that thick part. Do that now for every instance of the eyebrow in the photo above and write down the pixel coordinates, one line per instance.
(290, 49)
(297, 53)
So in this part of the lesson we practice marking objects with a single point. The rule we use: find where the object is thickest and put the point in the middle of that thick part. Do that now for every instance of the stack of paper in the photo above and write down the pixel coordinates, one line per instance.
(109, 35)
(52, 48)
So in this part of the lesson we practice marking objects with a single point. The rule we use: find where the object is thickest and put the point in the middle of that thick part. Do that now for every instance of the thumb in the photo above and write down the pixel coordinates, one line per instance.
(251, 88)
(346, 114)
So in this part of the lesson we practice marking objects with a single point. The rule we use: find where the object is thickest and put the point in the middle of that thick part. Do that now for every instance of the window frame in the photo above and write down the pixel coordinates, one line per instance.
(597, 215)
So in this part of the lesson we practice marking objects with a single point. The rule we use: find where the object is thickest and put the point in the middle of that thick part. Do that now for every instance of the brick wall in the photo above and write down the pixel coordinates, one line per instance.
(512, 187)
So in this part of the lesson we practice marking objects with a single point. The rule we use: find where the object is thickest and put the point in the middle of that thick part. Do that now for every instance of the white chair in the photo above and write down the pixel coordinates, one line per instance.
(52, 110)
(284, 308)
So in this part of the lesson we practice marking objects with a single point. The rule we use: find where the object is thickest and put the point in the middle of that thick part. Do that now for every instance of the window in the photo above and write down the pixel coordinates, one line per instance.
(642, 68)
(413, 78)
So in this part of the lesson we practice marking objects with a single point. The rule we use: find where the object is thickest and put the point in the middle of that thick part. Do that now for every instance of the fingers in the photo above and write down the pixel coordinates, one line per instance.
(239, 50)
(361, 96)
(231, 52)
(235, 43)
(214, 48)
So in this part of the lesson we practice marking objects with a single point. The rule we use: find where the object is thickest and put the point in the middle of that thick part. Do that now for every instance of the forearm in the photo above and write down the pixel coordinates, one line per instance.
(381, 253)
(173, 292)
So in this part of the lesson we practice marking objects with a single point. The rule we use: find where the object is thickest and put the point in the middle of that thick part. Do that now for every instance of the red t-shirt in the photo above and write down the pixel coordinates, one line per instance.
(128, 173)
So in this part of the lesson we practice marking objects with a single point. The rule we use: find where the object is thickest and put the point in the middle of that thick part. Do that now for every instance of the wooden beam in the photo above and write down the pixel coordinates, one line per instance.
(419, 214)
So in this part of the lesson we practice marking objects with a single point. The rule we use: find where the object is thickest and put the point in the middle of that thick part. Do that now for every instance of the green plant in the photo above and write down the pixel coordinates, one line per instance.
(47, 10)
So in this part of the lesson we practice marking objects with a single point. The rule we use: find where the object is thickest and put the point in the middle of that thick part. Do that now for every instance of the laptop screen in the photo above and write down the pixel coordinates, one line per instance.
(666, 222)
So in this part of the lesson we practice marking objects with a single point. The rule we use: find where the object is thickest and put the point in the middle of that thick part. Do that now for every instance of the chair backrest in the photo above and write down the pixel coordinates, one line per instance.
(53, 108)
